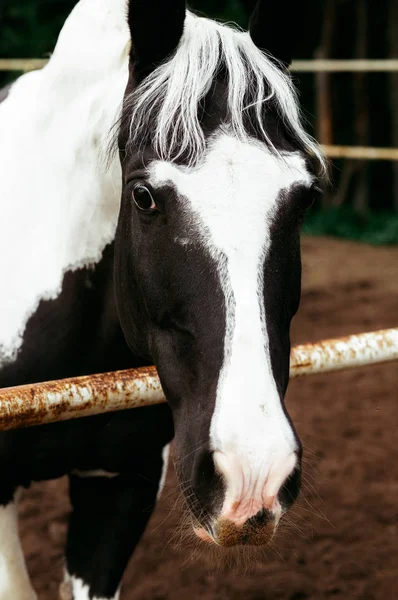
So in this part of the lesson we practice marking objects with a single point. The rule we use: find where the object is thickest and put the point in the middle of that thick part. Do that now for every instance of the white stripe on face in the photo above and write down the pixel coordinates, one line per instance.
(232, 197)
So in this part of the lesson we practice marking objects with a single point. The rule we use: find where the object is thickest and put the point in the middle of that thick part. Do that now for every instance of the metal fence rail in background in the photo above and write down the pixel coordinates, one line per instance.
(84, 396)
(22, 64)
(384, 65)
(298, 66)
(360, 152)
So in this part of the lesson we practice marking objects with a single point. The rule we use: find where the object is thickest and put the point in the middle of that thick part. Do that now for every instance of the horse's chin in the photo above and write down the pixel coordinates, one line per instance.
(229, 553)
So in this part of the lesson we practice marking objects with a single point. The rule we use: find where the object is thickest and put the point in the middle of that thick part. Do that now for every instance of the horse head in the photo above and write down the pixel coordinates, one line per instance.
(217, 174)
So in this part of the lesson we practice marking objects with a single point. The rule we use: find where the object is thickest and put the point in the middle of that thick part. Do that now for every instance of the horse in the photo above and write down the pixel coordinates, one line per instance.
(154, 177)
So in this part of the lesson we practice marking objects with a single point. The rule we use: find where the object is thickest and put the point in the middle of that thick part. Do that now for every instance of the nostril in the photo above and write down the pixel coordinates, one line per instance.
(260, 519)
(290, 489)
(204, 473)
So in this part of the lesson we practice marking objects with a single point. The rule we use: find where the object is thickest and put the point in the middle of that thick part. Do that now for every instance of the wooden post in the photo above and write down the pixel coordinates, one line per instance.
(361, 194)
(393, 39)
(324, 118)
(324, 128)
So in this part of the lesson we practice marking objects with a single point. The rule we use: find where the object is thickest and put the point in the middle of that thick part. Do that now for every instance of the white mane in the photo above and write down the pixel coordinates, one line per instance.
(171, 95)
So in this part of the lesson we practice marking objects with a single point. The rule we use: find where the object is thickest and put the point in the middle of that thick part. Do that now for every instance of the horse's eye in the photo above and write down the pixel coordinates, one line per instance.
(311, 196)
(143, 199)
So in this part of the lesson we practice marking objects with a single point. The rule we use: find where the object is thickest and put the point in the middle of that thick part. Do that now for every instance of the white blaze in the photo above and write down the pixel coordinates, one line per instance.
(232, 198)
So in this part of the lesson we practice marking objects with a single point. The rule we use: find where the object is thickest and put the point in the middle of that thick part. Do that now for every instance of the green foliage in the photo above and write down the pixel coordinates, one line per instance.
(30, 28)
(232, 10)
(376, 228)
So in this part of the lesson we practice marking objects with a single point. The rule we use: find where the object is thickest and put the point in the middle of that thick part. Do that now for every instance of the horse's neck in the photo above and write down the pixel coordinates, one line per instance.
(59, 199)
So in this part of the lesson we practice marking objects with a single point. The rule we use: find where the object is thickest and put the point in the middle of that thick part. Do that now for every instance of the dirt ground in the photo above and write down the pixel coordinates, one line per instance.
(341, 542)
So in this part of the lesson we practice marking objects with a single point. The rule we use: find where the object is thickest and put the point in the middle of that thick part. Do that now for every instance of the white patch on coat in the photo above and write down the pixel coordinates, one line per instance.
(59, 199)
(232, 198)
(165, 457)
(14, 578)
(74, 588)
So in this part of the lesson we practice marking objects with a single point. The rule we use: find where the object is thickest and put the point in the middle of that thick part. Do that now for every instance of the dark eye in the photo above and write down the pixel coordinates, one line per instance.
(143, 199)
(311, 196)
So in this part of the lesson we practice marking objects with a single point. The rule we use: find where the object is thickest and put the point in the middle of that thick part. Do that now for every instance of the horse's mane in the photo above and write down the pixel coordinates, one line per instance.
(164, 108)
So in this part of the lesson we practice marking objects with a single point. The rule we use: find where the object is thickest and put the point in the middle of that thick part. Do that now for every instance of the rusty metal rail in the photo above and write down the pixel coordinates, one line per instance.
(52, 401)
(343, 353)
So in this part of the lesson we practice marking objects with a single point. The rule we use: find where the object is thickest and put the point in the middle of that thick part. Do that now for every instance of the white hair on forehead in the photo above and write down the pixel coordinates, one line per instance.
(164, 107)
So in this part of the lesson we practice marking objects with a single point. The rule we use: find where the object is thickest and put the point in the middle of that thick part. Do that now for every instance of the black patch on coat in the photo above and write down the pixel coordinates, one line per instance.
(282, 290)
(108, 519)
(76, 334)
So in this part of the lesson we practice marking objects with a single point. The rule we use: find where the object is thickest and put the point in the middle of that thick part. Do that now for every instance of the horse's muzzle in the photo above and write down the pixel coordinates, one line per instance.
(257, 531)
(252, 506)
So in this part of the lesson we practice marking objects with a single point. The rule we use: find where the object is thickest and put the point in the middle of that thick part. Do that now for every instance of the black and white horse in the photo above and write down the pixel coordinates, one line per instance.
(197, 268)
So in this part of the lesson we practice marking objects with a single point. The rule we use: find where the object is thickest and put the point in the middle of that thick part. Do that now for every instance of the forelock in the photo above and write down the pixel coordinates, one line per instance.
(164, 110)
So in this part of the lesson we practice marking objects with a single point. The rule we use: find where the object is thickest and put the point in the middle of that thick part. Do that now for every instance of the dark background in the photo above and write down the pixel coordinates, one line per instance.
(359, 109)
